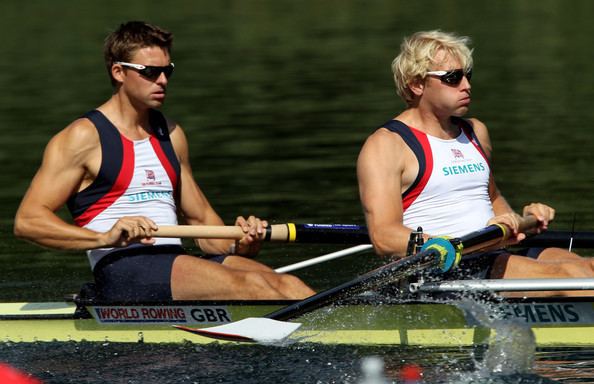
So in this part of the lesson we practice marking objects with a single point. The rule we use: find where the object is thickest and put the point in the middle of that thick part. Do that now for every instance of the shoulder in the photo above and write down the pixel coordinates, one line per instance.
(73, 146)
(383, 140)
(482, 134)
(478, 126)
(176, 132)
(382, 147)
(79, 135)
(178, 139)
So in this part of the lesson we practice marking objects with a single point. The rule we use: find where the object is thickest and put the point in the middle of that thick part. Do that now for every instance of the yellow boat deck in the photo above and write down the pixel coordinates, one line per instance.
(554, 323)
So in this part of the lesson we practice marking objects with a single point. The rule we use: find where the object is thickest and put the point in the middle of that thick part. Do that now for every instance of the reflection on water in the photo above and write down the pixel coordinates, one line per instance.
(276, 98)
(303, 363)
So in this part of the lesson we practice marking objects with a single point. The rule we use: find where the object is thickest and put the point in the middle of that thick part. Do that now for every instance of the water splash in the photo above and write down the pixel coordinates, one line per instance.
(512, 348)
(511, 351)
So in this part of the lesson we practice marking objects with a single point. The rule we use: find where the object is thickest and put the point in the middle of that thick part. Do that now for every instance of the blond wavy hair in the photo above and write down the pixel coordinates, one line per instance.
(418, 54)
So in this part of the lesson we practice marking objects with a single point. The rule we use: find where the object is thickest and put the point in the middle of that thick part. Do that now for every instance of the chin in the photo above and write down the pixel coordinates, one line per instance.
(155, 104)
(460, 112)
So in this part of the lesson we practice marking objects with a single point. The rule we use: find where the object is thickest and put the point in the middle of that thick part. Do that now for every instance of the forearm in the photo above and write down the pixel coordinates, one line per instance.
(390, 240)
(501, 206)
(48, 230)
(216, 246)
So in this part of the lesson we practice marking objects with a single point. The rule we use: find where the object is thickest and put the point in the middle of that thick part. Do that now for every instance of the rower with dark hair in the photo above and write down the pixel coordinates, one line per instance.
(123, 170)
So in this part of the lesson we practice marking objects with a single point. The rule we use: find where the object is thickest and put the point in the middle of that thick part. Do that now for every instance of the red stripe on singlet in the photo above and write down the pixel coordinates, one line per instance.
(118, 188)
(164, 161)
(474, 142)
(416, 191)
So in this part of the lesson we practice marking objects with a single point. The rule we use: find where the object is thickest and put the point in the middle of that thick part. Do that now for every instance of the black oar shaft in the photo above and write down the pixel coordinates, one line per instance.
(560, 239)
(396, 270)
(381, 276)
(318, 233)
(348, 234)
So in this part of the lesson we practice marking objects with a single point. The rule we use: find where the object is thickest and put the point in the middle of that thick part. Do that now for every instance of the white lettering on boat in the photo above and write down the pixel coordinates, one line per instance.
(161, 314)
(210, 315)
(548, 313)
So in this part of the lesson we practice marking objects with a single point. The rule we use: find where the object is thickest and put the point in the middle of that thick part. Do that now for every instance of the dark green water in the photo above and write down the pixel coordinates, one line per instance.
(276, 98)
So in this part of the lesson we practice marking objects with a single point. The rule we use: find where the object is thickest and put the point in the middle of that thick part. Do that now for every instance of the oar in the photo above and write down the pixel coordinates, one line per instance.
(441, 254)
(561, 239)
(347, 234)
(324, 258)
(289, 233)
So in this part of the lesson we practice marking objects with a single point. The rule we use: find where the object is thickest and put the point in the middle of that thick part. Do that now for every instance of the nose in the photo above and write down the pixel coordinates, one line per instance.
(465, 83)
(162, 79)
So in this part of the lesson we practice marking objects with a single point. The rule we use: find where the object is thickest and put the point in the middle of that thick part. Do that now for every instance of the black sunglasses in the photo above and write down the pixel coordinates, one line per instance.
(151, 72)
(453, 77)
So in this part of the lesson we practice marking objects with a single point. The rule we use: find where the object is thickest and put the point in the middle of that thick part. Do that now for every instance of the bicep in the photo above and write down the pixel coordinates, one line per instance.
(380, 181)
(57, 178)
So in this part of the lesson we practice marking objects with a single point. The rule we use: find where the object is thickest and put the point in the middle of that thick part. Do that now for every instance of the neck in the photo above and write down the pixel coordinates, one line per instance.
(131, 121)
(430, 123)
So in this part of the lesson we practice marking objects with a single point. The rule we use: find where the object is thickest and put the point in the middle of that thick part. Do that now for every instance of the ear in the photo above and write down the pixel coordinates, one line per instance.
(117, 72)
(417, 86)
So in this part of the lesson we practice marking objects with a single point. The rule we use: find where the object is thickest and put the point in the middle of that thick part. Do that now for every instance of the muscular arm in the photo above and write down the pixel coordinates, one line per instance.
(193, 205)
(62, 171)
(379, 171)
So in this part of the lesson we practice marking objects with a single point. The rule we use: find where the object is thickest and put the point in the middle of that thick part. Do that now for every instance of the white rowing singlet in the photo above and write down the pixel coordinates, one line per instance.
(450, 196)
(137, 178)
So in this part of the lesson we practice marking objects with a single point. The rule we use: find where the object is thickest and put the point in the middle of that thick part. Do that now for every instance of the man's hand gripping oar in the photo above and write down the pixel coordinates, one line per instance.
(439, 254)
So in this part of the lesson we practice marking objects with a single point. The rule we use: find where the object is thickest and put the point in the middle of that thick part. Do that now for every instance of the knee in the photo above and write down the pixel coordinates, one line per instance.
(578, 269)
(254, 281)
(290, 282)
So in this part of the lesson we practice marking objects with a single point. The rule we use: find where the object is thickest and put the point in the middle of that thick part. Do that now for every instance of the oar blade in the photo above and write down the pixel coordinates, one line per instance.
(252, 329)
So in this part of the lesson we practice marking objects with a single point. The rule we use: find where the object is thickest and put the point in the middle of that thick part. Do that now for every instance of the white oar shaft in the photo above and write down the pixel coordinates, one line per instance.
(505, 285)
(324, 258)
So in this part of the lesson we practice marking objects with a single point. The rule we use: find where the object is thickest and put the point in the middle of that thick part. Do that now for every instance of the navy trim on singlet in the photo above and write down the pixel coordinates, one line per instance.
(161, 132)
(413, 143)
(111, 164)
(468, 129)
(111, 144)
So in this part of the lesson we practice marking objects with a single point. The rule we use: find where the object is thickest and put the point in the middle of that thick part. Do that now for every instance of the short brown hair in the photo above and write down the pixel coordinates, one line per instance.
(121, 44)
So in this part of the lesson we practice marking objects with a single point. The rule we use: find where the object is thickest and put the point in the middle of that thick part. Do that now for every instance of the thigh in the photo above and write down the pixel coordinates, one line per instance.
(142, 274)
(195, 278)
(521, 267)
(558, 255)
(245, 264)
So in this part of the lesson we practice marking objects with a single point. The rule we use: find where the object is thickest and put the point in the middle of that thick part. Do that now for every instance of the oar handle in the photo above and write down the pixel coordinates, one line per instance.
(288, 233)
(310, 233)
(495, 235)
(200, 231)
(527, 224)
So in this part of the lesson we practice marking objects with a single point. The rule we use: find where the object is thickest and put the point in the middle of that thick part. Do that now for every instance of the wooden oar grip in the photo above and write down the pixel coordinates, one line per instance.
(494, 235)
(528, 224)
(200, 231)
(276, 232)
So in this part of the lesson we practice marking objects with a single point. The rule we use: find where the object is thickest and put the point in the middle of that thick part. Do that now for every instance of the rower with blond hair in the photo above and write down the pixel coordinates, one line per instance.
(431, 167)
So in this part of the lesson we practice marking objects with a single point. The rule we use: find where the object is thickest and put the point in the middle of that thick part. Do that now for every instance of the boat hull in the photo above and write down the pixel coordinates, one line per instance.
(553, 322)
